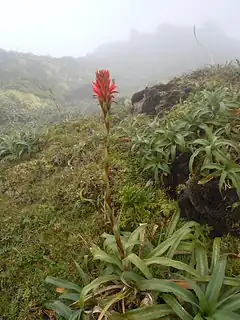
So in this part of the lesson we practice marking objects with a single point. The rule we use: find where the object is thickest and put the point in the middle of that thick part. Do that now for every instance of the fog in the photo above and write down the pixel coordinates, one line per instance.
(77, 27)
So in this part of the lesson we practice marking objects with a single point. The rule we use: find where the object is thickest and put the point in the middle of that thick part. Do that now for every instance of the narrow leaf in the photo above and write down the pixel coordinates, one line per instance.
(173, 223)
(69, 296)
(230, 304)
(202, 260)
(215, 284)
(82, 274)
(134, 236)
(172, 263)
(101, 255)
(63, 284)
(140, 264)
(167, 287)
(227, 293)
(163, 247)
(94, 285)
(61, 309)
(148, 313)
(215, 252)
(203, 303)
(224, 315)
(177, 308)
(175, 245)
(128, 276)
(117, 297)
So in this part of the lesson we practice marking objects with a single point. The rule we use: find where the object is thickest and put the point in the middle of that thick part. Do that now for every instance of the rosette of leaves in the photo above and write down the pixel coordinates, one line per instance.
(213, 296)
(172, 138)
(211, 147)
(120, 286)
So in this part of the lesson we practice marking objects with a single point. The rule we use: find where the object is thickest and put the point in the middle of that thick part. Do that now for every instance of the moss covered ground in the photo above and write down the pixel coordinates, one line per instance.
(51, 211)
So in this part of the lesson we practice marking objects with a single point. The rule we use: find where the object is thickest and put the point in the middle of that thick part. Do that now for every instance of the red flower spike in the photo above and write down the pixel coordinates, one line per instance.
(103, 90)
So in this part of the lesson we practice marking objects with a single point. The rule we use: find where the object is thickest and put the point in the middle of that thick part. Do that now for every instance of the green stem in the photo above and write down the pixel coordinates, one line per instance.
(107, 199)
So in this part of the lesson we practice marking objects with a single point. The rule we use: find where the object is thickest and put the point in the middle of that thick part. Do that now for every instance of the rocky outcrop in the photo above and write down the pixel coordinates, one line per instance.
(158, 99)
(203, 202)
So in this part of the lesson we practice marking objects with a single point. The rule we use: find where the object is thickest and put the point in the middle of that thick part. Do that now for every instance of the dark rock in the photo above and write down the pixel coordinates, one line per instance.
(160, 98)
(137, 96)
(152, 99)
(205, 204)
(179, 174)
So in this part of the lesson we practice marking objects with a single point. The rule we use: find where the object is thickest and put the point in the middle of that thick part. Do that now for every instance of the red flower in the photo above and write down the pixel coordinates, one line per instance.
(103, 90)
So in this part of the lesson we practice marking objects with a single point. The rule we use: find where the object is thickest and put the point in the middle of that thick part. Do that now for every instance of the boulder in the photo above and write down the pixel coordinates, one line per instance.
(205, 204)
(158, 99)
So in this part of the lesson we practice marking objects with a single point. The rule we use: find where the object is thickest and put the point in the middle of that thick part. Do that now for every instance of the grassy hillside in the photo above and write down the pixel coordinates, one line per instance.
(52, 189)
(28, 81)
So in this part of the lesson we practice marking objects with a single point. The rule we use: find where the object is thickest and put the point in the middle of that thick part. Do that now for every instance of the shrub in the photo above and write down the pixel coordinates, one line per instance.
(141, 204)
(25, 143)
(206, 128)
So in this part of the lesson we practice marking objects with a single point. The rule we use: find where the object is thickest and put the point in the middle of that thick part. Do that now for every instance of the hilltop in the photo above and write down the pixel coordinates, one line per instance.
(35, 88)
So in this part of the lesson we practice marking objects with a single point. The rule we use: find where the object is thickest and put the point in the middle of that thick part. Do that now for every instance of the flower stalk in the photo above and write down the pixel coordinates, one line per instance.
(104, 91)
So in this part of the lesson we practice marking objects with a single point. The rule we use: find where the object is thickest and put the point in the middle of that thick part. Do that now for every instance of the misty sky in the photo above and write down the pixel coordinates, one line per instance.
(76, 27)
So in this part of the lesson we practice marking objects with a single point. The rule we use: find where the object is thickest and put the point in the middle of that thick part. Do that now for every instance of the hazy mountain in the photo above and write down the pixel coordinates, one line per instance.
(146, 58)
(158, 56)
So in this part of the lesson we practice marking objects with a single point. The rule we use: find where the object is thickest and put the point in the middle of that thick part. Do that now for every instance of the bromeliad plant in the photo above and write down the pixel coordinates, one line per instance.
(133, 264)
(172, 138)
(120, 286)
(218, 159)
(227, 170)
(159, 146)
(212, 146)
(212, 296)
(126, 258)
(206, 126)
(17, 146)
(105, 91)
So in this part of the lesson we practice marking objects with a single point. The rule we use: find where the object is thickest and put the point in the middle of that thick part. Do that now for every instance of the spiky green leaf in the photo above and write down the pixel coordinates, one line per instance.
(63, 284)
(172, 263)
(94, 285)
(103, 256)
(167, 287)
(140, 264)
(215, 252)
(61, 309)
(83, 275)
(149, 313)
(215, 284)
(232, 303)
(177, 308)
(224, 315)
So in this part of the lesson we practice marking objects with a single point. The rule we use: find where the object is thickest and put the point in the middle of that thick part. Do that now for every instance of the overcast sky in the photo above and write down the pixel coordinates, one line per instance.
(76, 27)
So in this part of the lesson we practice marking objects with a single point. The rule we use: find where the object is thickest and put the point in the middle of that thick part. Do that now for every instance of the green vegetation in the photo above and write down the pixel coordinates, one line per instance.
(52, 190)
(21, 145)
(207, 128)
(31, 85)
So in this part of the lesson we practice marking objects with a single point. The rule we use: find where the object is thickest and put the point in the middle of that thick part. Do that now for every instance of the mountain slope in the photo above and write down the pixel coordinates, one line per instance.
(28, 81)
(51, 200)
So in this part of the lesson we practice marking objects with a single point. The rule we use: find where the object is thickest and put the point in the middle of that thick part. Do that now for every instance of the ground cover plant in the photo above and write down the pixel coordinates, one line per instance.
(127, 288)
(199, 143)
(52, 212)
